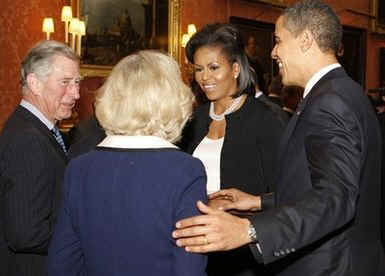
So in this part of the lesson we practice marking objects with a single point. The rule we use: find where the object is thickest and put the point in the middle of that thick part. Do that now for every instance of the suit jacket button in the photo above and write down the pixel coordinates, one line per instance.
(287, 251)
(292, 250)
(282, 252)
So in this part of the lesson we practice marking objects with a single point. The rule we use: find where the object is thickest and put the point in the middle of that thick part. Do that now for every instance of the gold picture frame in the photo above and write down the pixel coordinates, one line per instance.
(378, 16)
(273, 3)
(107, 40)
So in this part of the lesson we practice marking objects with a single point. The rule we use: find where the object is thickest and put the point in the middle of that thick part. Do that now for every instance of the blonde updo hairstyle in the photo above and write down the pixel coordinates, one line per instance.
(145, 95)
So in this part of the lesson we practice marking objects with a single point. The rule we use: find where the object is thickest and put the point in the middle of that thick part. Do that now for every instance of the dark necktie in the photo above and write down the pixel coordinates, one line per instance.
(56, 133)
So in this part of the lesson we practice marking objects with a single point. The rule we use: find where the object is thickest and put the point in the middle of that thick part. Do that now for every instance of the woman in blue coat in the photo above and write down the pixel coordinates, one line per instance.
(122, 199)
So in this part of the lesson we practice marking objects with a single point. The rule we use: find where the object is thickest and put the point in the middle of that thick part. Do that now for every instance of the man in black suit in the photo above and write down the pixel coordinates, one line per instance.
(326, 218)
(291, 96)
(32, 159)
(274, 90)
(85, 136)
(278, 111)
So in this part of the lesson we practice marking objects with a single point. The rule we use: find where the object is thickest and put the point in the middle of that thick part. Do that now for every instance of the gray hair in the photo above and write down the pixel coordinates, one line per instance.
(39, 59)
(317, 17)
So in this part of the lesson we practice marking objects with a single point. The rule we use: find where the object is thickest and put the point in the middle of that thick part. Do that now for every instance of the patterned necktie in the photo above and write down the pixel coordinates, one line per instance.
(56, 133)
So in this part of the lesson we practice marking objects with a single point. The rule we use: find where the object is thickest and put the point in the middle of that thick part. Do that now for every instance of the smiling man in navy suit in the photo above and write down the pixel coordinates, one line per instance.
(32, 159)
(326, 217)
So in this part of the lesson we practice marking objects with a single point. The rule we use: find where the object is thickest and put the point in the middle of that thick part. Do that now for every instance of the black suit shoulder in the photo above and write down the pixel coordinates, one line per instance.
(85, 137)
(32, 165)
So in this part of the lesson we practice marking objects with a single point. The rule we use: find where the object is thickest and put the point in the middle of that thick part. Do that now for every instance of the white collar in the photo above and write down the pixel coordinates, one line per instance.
(35, 111)
(135, 142)
(317, 76)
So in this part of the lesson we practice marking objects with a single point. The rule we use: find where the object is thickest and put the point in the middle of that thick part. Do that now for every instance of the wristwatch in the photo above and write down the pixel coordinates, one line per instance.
(252, 233)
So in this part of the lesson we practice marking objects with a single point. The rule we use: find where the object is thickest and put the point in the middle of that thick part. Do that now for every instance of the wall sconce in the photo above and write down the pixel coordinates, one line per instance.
(66, 16)
(77, 28)
(191, 30)
(73, 30)
(81, 32)
(185, 39)
(48, 26)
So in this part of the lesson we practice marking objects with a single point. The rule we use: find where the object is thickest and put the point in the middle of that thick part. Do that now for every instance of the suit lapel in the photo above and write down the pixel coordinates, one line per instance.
(42, 128)
(317, 89)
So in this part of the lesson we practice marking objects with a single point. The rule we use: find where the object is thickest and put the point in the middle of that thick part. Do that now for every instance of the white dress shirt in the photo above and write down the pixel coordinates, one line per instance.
(317, 76)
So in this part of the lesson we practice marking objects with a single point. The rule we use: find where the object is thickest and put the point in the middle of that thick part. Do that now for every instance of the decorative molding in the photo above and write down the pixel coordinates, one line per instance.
(94, 70)
(376, 27)
(174, 34)
(281, 4)
(362, 13)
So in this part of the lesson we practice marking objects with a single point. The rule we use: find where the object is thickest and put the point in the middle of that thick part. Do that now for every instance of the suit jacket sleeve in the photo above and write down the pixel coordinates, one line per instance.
(186, 263)
(27, 207)
(333, 150)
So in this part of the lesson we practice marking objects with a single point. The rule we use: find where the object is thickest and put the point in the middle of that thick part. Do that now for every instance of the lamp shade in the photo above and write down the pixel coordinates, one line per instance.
(74, 26)
(48, 26)
(66, 13)
(191, 29)
(185, 39)
(81, 28)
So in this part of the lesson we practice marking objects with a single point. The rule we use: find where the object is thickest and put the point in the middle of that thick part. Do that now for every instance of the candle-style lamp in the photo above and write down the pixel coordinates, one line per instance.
(48, 26)
(81, 32)
(191, 29)
(185, 39)
(66, 16)
(73, 29)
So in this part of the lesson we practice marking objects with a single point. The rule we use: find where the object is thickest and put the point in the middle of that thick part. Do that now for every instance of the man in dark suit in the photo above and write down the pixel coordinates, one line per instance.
(274, 90)
(291, 96)
(278, 111)
(85, 136)
(252, 49)
(33, 159)
(326, 219)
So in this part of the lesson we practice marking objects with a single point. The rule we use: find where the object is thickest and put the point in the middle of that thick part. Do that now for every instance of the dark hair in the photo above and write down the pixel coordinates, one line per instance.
(276, 85)
(319, 19)
(228, 38)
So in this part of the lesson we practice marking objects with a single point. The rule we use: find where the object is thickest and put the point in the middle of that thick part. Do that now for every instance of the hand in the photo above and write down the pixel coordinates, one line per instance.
(219, 203)
(238, 200)
(215, 230)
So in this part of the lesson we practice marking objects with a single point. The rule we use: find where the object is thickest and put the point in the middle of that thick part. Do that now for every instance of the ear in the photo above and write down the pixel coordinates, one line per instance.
(236, 70)
(34, 84)
(306, 40)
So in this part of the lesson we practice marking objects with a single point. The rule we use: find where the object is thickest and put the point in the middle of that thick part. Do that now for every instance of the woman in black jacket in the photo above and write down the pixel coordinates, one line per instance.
(235, 135)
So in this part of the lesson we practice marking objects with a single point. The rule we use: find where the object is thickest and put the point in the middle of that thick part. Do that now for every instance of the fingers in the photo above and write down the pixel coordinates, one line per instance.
(220, 193)
(193, 241)
(218, 203)
(189, 232)
(229, 206)
(227, 194)
(193, 221)
(205, 209)
(200, 244)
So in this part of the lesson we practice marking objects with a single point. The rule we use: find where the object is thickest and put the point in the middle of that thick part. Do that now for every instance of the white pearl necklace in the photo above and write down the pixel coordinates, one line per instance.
(230, 109)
